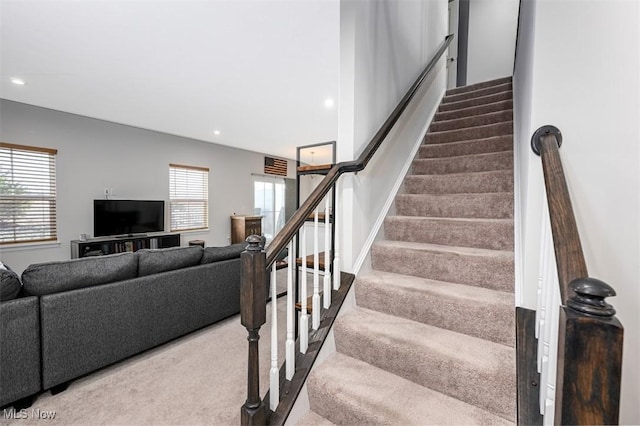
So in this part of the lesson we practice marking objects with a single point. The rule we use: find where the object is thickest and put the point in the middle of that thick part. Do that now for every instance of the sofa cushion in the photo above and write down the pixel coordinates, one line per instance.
(153, 261)
(216, 254)
(53, 277)
(10, 285)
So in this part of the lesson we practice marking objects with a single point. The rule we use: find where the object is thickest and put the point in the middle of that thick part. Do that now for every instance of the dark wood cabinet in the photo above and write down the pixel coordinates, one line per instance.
(243, 226)
(111, 245)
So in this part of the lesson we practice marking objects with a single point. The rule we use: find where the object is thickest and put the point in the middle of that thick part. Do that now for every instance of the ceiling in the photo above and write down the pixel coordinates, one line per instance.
(258, 72)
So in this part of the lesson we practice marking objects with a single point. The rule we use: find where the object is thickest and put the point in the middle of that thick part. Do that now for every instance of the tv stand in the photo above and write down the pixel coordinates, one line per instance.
(122, 243)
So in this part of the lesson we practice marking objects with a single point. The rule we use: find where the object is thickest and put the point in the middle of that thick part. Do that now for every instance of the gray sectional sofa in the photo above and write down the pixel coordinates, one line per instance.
(19, 349)
(80, 315)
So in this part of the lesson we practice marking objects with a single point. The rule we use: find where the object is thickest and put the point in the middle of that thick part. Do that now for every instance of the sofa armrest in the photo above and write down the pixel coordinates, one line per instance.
(19, 349)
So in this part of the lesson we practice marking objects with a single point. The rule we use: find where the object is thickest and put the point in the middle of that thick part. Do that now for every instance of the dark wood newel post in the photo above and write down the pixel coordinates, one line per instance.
(589, 357)
(253, 315)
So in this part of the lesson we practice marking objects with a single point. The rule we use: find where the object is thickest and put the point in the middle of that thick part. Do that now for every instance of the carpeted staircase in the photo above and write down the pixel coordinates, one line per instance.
(432, 339)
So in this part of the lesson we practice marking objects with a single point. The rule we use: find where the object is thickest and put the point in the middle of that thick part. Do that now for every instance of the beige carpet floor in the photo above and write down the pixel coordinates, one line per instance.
(199, 379)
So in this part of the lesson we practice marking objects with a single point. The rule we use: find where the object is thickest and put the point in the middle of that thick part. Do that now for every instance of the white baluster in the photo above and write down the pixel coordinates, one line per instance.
(274, 374)
(541, 313)
(336, 242)
(548, 325)
(540, 290)
(545, 326)
(327, 256)
(315, 306)
(304, 318)
(554, 318)
(291, 343)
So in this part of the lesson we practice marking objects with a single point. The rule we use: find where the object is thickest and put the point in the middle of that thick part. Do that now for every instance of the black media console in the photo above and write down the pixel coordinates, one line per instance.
(110, 245)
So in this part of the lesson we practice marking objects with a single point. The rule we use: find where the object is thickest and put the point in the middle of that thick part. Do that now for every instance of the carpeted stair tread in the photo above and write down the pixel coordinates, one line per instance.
(475, 120)
(474, 110)
(476, 146)
(459, 183)
(470, 133)
(474, 311)
(456, 97)
(491, 269)
(426, 354)
(313, 419)
(484, 162)
(482, 100)
(347, 391)
(497, 205)
(477, 86)
(491, 234)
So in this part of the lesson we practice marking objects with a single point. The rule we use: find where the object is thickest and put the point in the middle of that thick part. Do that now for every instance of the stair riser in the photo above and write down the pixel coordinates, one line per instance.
(487, 206)
(471, 133)
(477, 120)
(495, 273)
(434, 369)
(453, 149)
(466, 164)
(504, 96)
(487, 182)
(494, 322)
(486, 235)
(457, 97)
(477, 110)
(482, 85)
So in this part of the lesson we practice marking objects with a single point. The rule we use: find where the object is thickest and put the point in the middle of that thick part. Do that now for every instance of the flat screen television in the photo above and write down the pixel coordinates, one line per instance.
(127, 217)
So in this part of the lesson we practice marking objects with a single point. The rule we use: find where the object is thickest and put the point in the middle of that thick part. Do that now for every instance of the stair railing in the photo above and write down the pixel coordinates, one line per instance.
(255, 262)
(579, 337)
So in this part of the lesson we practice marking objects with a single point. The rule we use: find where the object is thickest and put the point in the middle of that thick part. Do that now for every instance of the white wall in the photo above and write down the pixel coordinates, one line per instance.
(585, 80)
(492, 35)
(384, 45)
(526, 163)
(94, 154)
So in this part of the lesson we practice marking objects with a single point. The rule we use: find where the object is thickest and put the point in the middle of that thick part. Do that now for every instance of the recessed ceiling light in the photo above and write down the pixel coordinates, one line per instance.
(18, 81)
(216, 132)
(328, 103)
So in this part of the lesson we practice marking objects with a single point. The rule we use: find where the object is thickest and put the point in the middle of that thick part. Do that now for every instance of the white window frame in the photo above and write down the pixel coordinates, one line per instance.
(28, 199)
(188, 196)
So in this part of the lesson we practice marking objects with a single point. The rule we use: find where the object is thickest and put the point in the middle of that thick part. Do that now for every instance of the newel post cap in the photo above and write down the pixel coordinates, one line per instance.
(254, 243)
(589, 297)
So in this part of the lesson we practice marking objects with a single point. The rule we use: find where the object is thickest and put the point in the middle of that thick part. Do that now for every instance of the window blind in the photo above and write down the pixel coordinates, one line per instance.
(27, 194)
(188, 197)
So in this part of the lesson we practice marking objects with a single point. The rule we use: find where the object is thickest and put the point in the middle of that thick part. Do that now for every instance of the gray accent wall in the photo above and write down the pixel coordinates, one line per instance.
(95, 154)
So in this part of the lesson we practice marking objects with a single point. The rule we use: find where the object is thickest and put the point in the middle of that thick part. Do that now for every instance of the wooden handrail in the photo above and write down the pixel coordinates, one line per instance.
(546, 143)
(589, 364)
(289, 230)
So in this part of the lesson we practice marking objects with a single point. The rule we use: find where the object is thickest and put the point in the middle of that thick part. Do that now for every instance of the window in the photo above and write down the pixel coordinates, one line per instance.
(188, 197)
(27, 194)
(269, 202)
